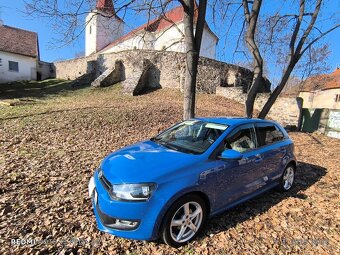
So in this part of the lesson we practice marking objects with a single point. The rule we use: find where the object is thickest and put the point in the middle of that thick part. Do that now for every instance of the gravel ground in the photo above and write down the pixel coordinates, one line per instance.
(50, 148)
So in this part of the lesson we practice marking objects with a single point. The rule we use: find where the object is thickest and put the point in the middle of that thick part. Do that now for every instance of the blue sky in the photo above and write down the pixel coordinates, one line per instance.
(11, 13)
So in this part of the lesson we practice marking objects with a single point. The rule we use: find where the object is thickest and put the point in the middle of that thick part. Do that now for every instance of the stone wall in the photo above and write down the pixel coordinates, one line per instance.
(171, 67)
(285, 110)
(74, 68)
(168, 71)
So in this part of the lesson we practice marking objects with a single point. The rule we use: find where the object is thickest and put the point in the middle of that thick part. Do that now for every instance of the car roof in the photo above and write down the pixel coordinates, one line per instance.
(233, 121)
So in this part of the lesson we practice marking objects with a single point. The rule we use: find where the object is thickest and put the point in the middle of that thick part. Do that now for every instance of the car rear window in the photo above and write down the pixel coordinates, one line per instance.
(268, 134)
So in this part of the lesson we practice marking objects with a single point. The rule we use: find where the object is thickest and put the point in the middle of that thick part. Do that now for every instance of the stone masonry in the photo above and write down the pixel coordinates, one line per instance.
(138, 70)
(169, 66)
(285, 110)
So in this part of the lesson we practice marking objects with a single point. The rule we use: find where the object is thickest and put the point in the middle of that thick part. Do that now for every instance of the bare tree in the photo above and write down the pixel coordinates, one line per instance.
(251, 18)
(300, 42)
(193, 39)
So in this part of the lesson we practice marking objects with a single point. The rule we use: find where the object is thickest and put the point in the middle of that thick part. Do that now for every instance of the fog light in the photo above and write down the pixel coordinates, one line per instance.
(124, 224)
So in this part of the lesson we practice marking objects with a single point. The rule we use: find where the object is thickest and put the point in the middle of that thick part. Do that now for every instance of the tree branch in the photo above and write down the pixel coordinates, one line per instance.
(296, 29)
(318, 38)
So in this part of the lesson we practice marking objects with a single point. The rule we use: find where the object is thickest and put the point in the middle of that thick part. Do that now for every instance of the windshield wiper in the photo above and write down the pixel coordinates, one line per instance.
(168, 145)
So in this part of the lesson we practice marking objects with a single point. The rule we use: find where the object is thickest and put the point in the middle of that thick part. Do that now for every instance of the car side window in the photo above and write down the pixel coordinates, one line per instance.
(242, 140)
(268, 134)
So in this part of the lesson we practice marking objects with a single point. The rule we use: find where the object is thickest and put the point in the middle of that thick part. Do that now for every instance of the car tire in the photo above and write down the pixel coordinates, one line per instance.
(183, 221)
(287, 178)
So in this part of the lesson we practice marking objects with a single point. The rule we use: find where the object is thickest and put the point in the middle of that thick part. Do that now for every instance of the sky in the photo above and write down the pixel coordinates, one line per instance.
(11, 12)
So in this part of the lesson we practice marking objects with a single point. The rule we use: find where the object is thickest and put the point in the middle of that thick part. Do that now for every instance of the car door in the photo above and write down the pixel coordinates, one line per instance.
(272, 149)
(233, 179)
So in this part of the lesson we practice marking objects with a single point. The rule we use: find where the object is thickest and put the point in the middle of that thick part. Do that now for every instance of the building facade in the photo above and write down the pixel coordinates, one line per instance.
(19, 54)
(322, 91)
(104, 33)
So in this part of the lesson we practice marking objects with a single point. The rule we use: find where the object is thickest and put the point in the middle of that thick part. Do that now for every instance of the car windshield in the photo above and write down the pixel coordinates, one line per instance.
(191, 136)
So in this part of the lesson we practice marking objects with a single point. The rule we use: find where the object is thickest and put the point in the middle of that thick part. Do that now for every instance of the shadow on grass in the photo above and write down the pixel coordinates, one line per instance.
(306, 176)
(37, 89)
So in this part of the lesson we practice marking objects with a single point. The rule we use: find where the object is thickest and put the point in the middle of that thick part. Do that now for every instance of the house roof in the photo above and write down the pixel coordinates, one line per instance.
(322, 82)
(167, 20)
(18, 41)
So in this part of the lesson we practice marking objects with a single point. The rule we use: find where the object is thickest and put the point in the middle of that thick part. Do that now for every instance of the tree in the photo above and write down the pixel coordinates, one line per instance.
(251, 19)
(300, 40)
(193, 39)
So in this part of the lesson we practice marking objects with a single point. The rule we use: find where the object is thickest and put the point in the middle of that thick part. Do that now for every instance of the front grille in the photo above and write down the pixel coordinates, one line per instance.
(106, 184)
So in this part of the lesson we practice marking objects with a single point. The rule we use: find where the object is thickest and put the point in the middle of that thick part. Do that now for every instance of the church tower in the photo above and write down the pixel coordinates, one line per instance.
(103, 26)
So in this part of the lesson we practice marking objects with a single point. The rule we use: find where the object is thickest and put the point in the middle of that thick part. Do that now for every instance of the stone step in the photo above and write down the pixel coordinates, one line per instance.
(110, 76)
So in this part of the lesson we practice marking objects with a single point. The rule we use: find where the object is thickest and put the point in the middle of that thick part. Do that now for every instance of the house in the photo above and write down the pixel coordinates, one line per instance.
(104, 33)
(19, 54)
(320, 97)
(322, 91)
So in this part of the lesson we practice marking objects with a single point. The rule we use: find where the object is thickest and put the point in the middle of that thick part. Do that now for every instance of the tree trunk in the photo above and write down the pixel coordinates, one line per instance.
(190, 84)
(271, 100)
(190, 63)
(251, 19)
(193, 44)
(251, 96)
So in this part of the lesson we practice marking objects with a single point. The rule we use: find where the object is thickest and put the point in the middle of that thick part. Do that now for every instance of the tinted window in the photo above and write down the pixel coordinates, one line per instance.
(241, 141)
(268, 134)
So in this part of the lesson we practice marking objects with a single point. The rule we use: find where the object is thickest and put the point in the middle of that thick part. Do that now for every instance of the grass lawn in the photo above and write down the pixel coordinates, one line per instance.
(55, 135)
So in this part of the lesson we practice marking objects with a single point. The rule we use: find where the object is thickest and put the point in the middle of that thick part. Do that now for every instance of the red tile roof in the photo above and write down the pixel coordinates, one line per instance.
(18, 41)
(107, 7)
(157, 25)
(323, 82)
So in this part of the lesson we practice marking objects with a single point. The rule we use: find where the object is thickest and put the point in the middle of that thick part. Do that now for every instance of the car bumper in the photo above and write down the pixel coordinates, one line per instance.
(143, 215)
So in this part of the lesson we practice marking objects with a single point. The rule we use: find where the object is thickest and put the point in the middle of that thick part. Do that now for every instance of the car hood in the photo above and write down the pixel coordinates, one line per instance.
(144, 162)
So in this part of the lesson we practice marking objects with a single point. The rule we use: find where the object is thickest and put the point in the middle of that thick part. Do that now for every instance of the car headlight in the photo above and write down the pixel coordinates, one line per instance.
(132, 192)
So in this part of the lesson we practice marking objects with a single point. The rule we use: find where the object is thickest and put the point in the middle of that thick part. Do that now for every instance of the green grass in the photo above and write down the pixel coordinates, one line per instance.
(26, 98)
(33, 90)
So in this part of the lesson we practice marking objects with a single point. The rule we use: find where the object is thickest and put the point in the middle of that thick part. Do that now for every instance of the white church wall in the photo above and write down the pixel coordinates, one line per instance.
(100, 31)
(90, 34)
(27, 67)
(171, 39)
(135, 42)
(208, 46)
(108, 30)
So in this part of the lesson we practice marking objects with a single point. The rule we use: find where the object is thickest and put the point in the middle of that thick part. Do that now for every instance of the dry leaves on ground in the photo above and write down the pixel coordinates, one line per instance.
(49, 151)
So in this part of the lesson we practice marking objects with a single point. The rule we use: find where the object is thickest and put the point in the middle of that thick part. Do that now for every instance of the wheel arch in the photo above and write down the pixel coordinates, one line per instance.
(293, 163)
(176, 197)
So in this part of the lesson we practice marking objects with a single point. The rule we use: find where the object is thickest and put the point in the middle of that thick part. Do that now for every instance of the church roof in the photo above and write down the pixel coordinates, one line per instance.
(18, 41)
(167, 20)
(106, 6)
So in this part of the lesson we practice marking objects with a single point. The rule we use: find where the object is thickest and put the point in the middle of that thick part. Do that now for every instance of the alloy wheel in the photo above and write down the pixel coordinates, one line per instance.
(186, 222)
(288, 178)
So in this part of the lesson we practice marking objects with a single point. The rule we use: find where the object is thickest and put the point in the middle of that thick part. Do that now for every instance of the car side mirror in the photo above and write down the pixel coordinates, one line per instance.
(231, 154)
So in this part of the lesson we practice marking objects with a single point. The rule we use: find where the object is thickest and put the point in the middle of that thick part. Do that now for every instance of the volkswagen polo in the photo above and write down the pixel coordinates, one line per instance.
(167, 187)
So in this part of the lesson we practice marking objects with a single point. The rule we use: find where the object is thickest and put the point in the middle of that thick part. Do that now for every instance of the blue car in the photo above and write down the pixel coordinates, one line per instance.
(167, 187)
